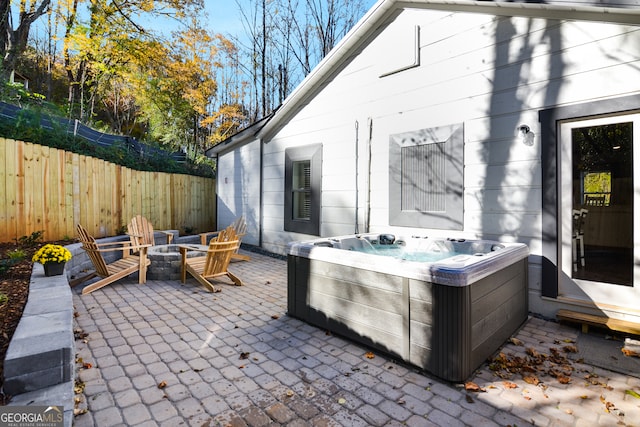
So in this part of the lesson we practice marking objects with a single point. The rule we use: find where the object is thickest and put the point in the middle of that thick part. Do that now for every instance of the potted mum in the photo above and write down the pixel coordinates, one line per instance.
(52, 258)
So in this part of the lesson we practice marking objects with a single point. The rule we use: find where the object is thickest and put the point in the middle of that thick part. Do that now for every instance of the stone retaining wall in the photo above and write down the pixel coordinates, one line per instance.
(39, 366)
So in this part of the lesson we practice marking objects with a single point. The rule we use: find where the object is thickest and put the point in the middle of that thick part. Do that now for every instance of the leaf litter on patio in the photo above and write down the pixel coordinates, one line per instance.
(541, 370)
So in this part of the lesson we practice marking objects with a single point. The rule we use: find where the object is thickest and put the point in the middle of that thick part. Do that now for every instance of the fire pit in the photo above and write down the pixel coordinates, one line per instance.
(165, 261)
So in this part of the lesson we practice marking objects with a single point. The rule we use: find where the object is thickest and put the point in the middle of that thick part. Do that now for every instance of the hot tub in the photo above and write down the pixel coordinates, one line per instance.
(443, 305)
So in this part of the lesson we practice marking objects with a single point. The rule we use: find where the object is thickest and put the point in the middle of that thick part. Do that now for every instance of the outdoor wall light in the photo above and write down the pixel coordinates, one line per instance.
(525, 134)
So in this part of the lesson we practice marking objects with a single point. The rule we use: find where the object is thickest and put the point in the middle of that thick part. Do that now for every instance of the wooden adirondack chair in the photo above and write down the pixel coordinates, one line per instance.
(123, 267)
(215, 263)
(140, 232)
(240, 227)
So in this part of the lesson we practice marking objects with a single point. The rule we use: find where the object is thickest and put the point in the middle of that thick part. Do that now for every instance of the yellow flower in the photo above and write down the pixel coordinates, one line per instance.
(51, 253)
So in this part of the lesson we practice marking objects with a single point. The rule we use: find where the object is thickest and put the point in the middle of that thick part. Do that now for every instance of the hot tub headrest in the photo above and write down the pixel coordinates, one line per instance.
(386, 239)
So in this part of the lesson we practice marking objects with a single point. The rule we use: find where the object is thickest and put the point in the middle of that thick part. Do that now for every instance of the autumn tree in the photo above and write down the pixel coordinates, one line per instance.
(177, 88)
(13, 40)
(229, 113)
(285, 40)
(114, 35)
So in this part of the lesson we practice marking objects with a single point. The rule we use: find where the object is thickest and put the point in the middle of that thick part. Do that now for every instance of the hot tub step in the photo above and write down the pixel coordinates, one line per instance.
(587, 320)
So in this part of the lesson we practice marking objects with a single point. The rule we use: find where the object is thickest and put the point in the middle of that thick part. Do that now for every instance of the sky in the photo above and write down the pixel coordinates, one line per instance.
(225, 16)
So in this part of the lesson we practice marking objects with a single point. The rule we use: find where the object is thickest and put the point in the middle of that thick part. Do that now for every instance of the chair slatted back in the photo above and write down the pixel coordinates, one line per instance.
(140, 231)
(91, 247)
(240, 226)
(220, 251)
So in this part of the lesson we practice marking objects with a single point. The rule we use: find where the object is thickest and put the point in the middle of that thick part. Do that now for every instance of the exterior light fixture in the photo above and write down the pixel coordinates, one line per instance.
(525, 134)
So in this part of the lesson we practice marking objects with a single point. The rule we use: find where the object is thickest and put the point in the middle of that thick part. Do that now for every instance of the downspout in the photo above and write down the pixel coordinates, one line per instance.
(367, 217)
(357, 230)
(217, 189)
(261, 203)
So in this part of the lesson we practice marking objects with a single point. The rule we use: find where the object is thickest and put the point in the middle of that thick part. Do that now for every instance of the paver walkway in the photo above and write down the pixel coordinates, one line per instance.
(167, 354)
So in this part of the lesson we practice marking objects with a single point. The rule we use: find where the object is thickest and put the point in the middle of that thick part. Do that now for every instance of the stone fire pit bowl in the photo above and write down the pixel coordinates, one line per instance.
(165, 261)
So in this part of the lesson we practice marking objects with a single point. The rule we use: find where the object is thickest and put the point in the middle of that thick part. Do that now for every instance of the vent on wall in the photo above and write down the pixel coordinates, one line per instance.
(423, 184)
(426, 178)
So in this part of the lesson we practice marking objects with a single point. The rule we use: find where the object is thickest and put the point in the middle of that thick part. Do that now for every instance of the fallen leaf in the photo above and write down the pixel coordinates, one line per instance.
(632, 393)
(78, 386)
(162, 384)
(532, 352)
(516, 341)
(289, 393)
(275, 317)
(401, 402)
(471, 386)
(342, 401)
(87, 365)
(609, 407)
(244, 355)
(509, 384)
(369, 355)
(570, 349)
(531, 379)
(564, 380)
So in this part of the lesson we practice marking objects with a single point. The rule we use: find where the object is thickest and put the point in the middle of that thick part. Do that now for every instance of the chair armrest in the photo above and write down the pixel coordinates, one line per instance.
(168, 235)
(185, 248)
(204, 236)
(114, 246)
(125, 246)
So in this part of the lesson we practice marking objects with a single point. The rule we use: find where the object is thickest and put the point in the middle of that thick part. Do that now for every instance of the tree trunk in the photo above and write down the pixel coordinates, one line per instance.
(13, 42)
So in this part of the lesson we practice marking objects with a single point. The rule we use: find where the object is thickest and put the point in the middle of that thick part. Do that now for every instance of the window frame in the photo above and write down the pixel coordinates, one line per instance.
(313, 154)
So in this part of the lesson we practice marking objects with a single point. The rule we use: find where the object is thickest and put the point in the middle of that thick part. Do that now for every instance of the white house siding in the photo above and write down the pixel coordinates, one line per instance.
(239, 189)
(490, 73)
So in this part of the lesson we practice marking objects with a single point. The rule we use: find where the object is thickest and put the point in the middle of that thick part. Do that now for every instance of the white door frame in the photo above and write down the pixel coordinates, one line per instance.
(590, 291)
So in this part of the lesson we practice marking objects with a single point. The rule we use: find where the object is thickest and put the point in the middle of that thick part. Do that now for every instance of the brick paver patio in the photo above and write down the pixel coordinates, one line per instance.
(168, 354)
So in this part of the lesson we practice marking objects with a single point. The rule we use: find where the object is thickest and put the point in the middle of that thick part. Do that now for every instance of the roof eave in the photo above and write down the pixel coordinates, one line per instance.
(240, 137)
(384, 9)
